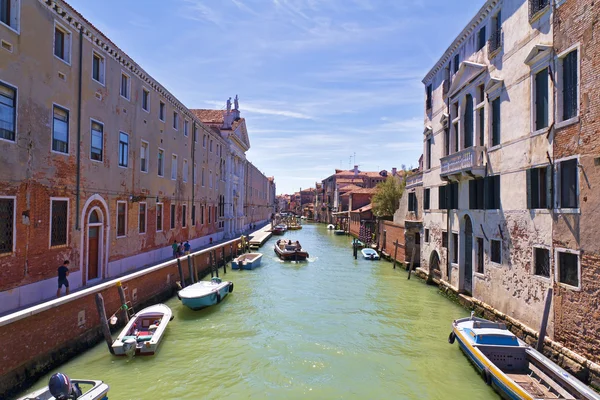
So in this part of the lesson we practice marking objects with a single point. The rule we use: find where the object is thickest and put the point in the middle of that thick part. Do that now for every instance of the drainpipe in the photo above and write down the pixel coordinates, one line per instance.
(78, 177)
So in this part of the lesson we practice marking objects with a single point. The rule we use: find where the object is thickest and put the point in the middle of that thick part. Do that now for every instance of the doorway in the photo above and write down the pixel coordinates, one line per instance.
(468, 252)
(94, 246)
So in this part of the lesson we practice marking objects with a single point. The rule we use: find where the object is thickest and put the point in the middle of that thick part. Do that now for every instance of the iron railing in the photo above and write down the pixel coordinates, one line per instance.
(535, 6)
(495, 41)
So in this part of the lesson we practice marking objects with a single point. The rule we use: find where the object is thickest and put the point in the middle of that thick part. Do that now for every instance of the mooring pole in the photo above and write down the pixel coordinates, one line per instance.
(355, 249)
(223, 259)
(195, 270)
(231, 251)
(215, 263)
(104, 322)
(181, 276)
(395, 251)
(190, 268)
(540, 343)
(412, 258)
(210, 264)
(123, 301)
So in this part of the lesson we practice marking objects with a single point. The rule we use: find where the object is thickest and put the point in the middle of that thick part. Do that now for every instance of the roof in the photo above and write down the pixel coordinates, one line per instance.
(349, 180)
(209, 116)
(363, 209)
(365, 191)
(349, 188)
(237, 123)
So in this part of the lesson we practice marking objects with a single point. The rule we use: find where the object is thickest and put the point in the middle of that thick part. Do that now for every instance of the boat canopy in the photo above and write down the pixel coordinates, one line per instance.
(494, 337)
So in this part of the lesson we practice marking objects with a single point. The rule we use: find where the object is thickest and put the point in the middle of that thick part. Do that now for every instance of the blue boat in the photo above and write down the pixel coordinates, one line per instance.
(205, 293)
(512, 367)
(247, 261)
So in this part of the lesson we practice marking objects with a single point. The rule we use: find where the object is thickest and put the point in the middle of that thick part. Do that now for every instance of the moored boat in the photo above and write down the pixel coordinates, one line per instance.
(61, 386)
(339, 232)
(279, 230)
(512, 367)
(370, 254)
(294, 227)
(330, 227)
(144, 331)
(247, 261)
(205, 293)
(290, 251)
(357, 242)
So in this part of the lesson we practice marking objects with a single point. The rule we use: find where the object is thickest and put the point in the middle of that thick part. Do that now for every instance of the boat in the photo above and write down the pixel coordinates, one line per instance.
(279, 230)
(512, 367)
(290, 251)
(247, 261)
(330, 227)
(85, 389)
(143, 332)
(294, 227)
(205, 293)
(370, 254)
(339, 232)
(357, 242)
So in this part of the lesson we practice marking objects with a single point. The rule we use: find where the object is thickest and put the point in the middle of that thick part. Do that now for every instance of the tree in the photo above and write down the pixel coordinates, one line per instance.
(385, 201)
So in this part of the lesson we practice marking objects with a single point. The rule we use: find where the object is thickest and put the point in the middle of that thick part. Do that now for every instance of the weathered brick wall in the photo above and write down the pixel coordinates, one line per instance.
(577, 312)
(393, 233)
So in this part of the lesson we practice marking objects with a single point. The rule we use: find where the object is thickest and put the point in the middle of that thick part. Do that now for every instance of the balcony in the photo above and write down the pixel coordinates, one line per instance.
(494, 43)
(414, 180)
(466, 163)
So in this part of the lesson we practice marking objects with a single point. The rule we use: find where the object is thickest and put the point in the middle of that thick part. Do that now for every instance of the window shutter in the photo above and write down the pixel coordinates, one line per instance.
(549, 187)
(529, 193)
(473, 195)
(497, 192)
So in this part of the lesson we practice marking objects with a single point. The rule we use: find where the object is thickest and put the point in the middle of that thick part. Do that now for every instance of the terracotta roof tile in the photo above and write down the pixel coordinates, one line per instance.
(363, 208)
(209, 116)
(365, 190)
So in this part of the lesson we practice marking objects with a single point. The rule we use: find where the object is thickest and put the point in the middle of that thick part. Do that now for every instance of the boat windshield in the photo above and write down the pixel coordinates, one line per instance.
(497, 340)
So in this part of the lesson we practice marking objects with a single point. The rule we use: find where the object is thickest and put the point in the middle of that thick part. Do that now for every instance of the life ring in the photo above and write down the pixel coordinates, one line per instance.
(218, 297)
(451, 337)
(487, 376)
(231, 287)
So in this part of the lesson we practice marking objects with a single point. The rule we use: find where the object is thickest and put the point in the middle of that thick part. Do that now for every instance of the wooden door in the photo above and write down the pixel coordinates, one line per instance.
(93, 252)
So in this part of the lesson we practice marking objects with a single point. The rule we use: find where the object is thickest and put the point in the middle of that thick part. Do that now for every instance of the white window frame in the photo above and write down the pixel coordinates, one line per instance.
(101, 70)
(184, 215)
(119, 149)
(145, 218)
(492, 261)
(162, 111)
(185, 170)
(162, 217)
(52, 129)
(92, 120)
(68, 36)
(14, 244)
(477, 109)
(52, 199)
(14, 5)
(559, 82)
(174, 170)
(16, 90)
(123, 73)
(163, 163)
(536, 69)
(117, 219)
(550, 262)
(557, 267)
(557, 191)
(186, 127)
(145, 90)
(175, 120)
(147, 156)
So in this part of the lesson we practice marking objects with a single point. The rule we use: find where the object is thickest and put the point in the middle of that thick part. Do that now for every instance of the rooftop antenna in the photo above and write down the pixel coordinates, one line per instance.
(354, 158)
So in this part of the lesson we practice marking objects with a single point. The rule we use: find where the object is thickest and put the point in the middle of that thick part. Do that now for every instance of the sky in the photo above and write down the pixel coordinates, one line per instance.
(323, 84)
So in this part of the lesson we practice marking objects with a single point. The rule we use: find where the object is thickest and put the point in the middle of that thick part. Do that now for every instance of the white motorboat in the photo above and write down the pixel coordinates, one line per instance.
(143, 332)
(205, 293)
(81, 389)
(370, 254)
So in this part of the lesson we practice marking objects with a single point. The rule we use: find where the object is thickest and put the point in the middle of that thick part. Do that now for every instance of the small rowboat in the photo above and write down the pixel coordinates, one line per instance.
(205, 293)
(290, 252)
(370, 254)
(143, 332)
(512, 367)
(247, 261)
(330, 227)
(89, 389)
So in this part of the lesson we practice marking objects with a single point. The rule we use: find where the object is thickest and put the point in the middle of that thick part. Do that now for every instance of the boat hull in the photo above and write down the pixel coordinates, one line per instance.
(138, 330)
(206, 300)
(369, 254)
(98, 391)
(339, 232)
(246, 263)
(289, 255)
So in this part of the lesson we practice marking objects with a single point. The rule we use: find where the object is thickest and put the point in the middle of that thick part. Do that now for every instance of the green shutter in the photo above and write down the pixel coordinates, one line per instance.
(549, 186)
(528, 180)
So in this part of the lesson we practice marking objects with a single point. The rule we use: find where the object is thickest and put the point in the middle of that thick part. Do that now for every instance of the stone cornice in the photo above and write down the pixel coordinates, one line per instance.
(460, 39)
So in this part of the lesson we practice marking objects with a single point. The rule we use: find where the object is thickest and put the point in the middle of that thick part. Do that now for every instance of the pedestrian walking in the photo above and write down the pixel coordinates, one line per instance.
(175, 248)
(63, 272)
(186, 247)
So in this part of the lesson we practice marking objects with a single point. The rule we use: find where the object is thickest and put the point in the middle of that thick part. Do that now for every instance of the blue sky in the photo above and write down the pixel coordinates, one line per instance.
(318, 80)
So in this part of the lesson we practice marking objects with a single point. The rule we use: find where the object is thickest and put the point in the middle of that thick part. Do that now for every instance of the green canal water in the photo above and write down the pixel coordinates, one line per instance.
(331, 328)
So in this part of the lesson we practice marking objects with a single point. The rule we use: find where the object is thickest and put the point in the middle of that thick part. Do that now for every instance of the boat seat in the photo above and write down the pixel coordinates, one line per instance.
(488, 324)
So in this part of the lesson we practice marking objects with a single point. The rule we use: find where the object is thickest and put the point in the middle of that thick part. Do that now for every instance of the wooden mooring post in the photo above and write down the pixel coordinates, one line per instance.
(191, 269)
(355, 249)
(412, 259)
(104, 322)
(395, 251)
(195, 269)
(224, 260)
(215, 263)
(124, 306)
(210, 264)
(542, 335)
(181, 276)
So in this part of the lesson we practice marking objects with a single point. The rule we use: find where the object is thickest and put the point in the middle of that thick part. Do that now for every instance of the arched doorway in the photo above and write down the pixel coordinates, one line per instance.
(434, 265)
(94, 245)
(468, 252)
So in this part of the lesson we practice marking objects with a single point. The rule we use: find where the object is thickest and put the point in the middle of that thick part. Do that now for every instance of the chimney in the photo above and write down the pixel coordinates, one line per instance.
(356, 170)
(394, 171)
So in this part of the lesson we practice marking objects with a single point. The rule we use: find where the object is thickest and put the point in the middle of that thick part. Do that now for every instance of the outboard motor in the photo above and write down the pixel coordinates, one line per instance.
(61, 388)
(216, 280)
(129, 346)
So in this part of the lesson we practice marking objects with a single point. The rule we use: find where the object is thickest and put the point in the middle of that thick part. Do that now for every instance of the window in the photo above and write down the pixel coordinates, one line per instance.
(428, 160)
(8, 112)
(455, 134)
(121, 218)
(62, 43)
(541, 99)
(412, 202)
(481, 38)
(202, 177)
(142, 218)
(492, 192)
(476, 194)
(211, 146)
(9, 13)
(60, 130)
(444, 240)
(428, 97)
(145, 100)
(568, 268)
(161, 111)
(209, 214)
(195, 128)
(448, 196)
(541, 259)
(174, 167)
(479, 267)
(495, 123)
(568, 86)
(125, 86)
(184, 215)
(161, 162)
(442, 200)
(538, 187)
(495, 40)
(172, 216)
(468, 122)
(186, 127)
(159, 217)
(456, 62)
(210, 180)
(455, 248)
(204, 141)
(144, 157)
(201, 215)
(568, 184)
(193, 215)
(59, 222)
(426, 199)
(194, 173)
(97, 67)
(123, 149)
(175, 120)
(481, 125)
(535, 6)
(7, 225)
(97, 141)
(496, 250)
(185, 170)
(446, 141)
(426, 236)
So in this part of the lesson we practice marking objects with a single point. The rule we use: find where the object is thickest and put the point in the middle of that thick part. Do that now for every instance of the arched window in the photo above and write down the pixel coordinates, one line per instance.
(94, 217)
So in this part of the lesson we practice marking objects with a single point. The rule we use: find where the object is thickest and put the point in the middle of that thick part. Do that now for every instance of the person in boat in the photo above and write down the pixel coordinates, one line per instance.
(298, 247)
(290, 242)
(61, 388)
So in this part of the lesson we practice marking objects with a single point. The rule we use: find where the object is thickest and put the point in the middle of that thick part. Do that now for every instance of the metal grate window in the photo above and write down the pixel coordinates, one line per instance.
(495, 40)
(7, 208)
(568, 268)
(542, 262)
(58, 233)
(535, 6)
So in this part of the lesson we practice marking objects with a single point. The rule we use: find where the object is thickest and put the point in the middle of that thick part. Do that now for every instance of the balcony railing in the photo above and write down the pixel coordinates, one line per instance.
(414, 180)
(495, 42)
(468, 161)
(535, 6)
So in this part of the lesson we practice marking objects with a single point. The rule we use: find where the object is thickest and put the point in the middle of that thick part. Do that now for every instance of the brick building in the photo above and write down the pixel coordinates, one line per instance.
(101, 164)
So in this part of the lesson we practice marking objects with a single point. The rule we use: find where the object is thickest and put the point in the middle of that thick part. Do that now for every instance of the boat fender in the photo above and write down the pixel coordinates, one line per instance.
(172, 318)
(451, 337)
(231, 287)
(487, 376)
(218, 297)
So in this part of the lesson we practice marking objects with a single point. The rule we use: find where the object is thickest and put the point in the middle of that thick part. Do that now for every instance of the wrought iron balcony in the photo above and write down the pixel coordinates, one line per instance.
(468, 162)
(414, 180)
(494, 42)
(536, 7)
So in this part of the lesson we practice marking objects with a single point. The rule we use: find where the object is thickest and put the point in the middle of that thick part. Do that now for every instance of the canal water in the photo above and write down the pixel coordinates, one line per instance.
(330, 328)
